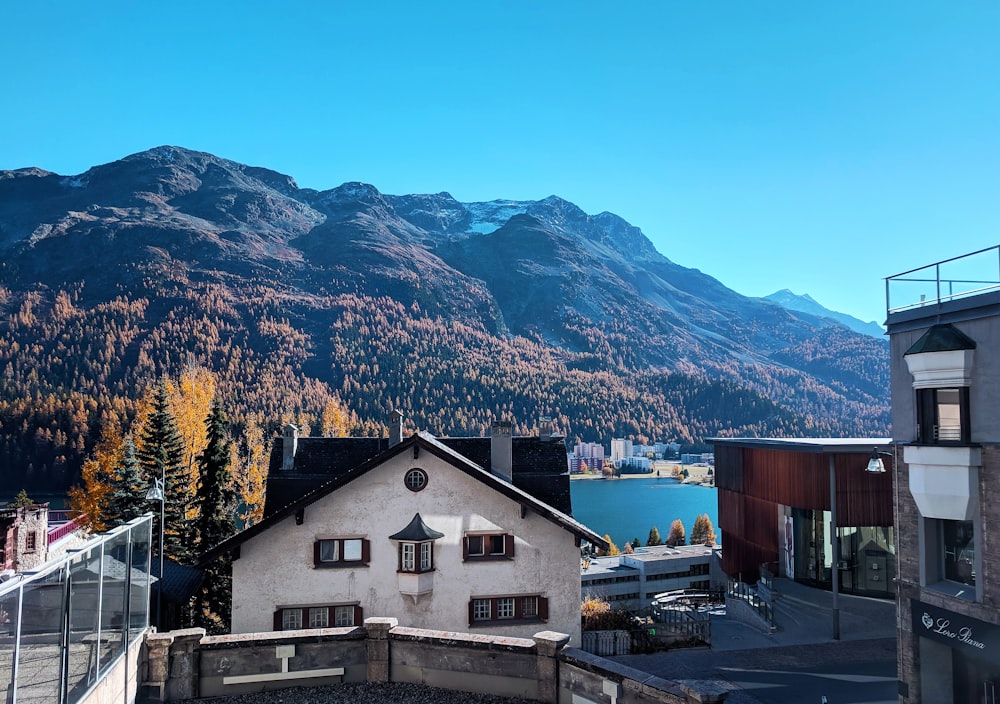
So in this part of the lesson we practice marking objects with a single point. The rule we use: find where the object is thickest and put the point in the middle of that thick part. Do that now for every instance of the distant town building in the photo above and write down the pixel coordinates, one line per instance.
(590, 454)
(698, 458)
(620, 449)
(636, 465)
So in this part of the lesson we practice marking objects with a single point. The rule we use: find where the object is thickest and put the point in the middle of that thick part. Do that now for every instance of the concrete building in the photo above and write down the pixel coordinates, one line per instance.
(632, 581)
(945, 365)
(590, 454)
(448, 534)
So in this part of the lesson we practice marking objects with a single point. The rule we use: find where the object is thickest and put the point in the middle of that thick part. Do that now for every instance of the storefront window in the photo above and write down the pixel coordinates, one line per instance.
(959, 551)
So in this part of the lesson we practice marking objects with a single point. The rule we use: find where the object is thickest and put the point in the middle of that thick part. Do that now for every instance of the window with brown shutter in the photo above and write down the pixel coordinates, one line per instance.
(341, 552)
(502, 610)
(323, 616)
(488, 546)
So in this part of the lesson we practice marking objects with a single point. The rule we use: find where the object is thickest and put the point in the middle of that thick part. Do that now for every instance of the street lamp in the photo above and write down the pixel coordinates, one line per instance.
(155, 493)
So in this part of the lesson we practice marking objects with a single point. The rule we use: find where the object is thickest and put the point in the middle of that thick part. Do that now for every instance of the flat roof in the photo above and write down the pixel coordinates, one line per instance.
(826, 446)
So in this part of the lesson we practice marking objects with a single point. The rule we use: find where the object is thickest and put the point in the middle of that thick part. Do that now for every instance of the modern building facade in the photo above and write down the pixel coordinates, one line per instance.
(632, 581)
(807, 509)
(945, 363)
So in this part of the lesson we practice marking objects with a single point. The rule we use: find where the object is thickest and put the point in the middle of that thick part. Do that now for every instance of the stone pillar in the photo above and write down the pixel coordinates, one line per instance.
(378, 647)
(549, 644)
(157, 669)
(185, 670)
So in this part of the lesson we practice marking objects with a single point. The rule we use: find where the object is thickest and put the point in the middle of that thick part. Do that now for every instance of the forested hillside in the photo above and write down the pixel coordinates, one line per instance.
(172, 260)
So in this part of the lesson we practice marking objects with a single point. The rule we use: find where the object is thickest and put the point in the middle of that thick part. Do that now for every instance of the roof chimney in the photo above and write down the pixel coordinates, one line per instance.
(395, 428)
(544, 428)
(289, 444)
(502, 450)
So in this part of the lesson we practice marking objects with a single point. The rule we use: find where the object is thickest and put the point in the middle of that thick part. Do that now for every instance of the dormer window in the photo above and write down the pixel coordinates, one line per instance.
(943, 416)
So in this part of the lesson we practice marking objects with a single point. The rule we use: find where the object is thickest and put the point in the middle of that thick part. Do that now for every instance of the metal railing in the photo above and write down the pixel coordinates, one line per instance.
(63, 626)
(959, 277)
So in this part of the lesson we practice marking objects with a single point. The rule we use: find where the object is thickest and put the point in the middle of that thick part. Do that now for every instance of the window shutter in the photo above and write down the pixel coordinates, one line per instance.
(508, 546)
(543, 608)
(359, 616)
(316, 559)
(465, 548)
(277, 620)
(366, 551)
(471, 610)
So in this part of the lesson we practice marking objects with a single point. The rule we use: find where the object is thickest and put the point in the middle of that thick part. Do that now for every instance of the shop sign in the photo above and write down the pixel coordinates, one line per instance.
(960, 632)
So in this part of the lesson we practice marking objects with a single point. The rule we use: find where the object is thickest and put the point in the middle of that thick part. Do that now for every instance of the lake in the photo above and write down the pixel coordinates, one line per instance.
(628, 508)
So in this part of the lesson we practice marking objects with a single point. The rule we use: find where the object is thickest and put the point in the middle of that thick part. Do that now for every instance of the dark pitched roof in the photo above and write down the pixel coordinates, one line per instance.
(427, 442)
(538, 466)
(942, 338)
(179, 582)
(417, 531)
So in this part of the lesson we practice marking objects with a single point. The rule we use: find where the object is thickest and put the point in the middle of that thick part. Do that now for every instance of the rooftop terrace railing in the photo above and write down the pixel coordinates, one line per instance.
(65, 625)
(951, 279)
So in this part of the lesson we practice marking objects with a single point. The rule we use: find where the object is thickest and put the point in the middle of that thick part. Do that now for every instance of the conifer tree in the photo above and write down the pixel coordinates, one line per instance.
(654, 536)
(703, 532)
(676, 536)
(127, 498)
(161, 455)
(217, 521)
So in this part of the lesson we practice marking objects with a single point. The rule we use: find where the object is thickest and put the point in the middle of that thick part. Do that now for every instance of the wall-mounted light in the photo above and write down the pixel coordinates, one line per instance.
(875, 464)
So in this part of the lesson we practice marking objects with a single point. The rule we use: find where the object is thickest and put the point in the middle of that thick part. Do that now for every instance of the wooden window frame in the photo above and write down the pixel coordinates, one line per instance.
(332, 610)
(340, 562)
(519, 602)
(419, 564)
(484, 540)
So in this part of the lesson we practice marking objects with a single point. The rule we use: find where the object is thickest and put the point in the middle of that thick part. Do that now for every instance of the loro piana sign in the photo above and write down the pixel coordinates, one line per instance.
(960, 632)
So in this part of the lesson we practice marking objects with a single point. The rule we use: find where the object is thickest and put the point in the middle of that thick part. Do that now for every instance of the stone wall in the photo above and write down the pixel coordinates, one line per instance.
(187, 664)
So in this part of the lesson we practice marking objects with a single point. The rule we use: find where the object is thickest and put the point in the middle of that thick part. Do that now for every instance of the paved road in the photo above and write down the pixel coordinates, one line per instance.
(800, 662)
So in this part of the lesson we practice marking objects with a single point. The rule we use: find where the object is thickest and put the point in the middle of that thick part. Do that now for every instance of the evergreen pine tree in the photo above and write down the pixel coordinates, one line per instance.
(161, 455)
(654, 536)
(217, 521)
(128, 493)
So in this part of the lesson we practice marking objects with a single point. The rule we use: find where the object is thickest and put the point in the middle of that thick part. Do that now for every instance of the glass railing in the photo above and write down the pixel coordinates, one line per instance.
(63, 626)
(960, 277)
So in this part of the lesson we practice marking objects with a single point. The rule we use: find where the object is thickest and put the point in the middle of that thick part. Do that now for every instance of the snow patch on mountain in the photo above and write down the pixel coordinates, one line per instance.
(491, 216)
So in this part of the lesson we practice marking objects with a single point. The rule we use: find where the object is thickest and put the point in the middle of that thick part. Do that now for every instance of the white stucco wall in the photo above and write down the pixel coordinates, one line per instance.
(276, 567)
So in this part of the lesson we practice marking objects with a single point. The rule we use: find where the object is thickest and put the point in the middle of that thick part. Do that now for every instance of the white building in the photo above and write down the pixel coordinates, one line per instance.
(620, 449)
(437, 533)
(632, 581)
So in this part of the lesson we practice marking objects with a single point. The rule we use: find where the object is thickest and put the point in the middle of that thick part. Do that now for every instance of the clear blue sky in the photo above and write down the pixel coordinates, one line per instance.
(812, 146)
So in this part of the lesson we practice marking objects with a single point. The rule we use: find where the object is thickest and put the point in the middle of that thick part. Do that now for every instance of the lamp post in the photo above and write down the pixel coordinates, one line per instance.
(875, 466)
(155, 493)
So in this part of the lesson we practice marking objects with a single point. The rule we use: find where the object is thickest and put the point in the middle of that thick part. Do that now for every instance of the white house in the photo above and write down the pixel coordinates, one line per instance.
(419, 531)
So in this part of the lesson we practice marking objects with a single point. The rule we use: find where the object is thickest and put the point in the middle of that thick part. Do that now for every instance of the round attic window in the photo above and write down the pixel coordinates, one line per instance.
(415, 479)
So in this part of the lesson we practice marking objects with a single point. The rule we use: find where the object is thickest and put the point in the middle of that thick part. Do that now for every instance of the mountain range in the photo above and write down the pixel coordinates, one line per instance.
(807, 304)
(457, 313)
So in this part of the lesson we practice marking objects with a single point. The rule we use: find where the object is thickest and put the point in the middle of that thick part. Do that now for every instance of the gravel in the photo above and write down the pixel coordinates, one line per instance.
(365, 693)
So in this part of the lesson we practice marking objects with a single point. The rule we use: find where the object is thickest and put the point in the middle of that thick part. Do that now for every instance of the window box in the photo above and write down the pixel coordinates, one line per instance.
(488, 546)
(503, 610)
(341, 552)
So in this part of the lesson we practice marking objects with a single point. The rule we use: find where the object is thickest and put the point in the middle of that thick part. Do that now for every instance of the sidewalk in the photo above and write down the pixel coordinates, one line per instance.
(800, 661)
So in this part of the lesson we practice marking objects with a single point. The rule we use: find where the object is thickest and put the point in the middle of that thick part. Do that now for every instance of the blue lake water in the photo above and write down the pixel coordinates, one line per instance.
(628, 508)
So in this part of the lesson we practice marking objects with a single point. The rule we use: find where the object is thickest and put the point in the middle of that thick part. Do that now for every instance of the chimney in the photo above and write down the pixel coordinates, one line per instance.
(502, 450)
(395, 428)
(289, 444)
(544, 428)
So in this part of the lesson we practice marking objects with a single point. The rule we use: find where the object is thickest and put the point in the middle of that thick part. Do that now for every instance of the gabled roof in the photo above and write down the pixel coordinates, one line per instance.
(426, 442)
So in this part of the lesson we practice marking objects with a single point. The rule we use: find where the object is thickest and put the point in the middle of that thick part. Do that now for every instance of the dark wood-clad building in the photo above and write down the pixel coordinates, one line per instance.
(775, 511)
